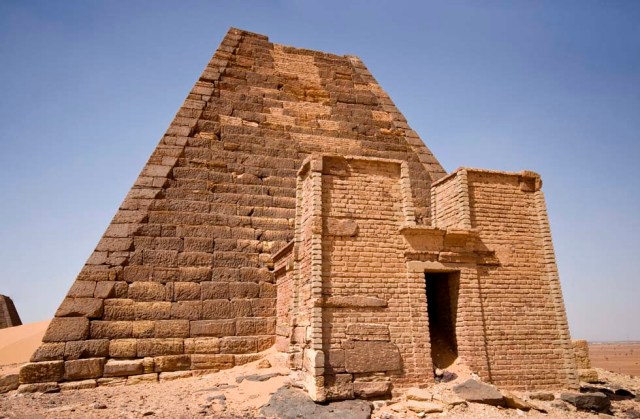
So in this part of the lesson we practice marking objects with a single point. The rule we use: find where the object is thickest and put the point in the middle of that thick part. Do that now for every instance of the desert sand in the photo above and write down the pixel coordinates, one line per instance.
(18, 343)
(622, 357)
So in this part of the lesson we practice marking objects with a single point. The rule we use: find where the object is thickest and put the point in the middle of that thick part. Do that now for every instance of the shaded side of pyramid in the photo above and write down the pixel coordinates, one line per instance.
(8, 314)
(181, 279)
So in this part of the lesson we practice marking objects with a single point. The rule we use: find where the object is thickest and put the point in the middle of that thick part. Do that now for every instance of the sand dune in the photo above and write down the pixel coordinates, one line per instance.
(18, 343)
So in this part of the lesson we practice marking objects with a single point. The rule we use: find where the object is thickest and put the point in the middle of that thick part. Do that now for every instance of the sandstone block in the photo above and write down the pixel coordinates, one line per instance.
(216, 328)
(110, 329)
(211, 361)
(174, 375)
(365, 390)
(147, 291)
(142, 379)
(158, 347)
(78, 385)
(41, 372)
(477, 392)
(184, 291)
(83, 368)
(244, 290)
(63, 329)
(81, 289)
(371, 356)
(195, 259)
(424, 407)
(172, 329)
(268, 290)
(238, 345)
(78, 307)
(217, 309)
(215, 290)
(92, 348)
(262, 307)
(49, 352)
(119, 309)
(9, 382)
(123, 348)
(256, 275)
(38, 387)
(106, 289)
(153, 310)
(148, 364)
(242, 308)
(172, 363)
(368, 331)
(186, 310)
(339, 386)
(202, 345)
(190, 274)
(144, 329)
(255, 326)
(111, 381)
(264, 342)
(122, 368)
(198, 244)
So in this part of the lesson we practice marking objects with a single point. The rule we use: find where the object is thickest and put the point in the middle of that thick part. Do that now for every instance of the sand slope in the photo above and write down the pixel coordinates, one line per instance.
(19, 342)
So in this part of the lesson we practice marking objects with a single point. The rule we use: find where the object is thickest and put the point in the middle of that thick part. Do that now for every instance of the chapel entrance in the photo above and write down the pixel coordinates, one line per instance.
(442, 307)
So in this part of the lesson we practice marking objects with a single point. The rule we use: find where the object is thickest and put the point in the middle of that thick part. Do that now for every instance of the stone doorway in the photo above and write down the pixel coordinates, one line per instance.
(442, 308)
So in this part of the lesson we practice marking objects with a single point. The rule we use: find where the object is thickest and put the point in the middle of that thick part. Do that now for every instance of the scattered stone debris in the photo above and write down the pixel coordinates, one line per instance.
(257, 377)
(477, 392)
(291, 403)
(591, 402)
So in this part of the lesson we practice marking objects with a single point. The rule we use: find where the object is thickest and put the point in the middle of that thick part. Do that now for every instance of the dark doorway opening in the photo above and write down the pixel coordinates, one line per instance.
(442, 308)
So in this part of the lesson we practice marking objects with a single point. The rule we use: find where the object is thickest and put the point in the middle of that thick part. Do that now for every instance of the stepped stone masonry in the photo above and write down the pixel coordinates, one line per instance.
(8, 314)
(290, 204)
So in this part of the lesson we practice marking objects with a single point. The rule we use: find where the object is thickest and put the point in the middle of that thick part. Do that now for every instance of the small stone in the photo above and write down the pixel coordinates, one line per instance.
(547, 397)
(418, 394)
(594, 402)
(560, 405)
(477, 392)
(424, 407)
(99, 406)
(264, 364)
(149, 413)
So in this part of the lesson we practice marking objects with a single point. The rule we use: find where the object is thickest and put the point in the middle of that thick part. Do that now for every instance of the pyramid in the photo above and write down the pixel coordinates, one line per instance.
(8, 314)
(290, 204)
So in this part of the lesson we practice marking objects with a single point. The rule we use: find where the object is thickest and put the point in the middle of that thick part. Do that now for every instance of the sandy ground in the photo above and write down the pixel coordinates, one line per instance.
(18, 343)
(227, 395)
(621, 357)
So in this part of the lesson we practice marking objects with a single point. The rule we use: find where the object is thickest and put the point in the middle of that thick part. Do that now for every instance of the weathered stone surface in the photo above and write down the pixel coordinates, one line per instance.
(110, 329)
(238, 345)
(291, 403)
(213, 328)
(371, 356)
(142, 379)
(92, 348)
(477, 392)
(120, 368)
(202, 345)
(147, 291)
(341, 227)
(82, 369)
(542, 395)
(63, 329)
(174, 375)
(9, 382)
(593, 402)
(78, 385)
(49, 352)
(41, 372)
(171, 329)
(111, 381)
(355, 301)
(368, 331)
(514, 402)
(419, 394)
(76, 307)
(212, 361)
(424, 407)
(158, 347)
(51, 387)
(123, 348)
(339, 387)
(172, 363)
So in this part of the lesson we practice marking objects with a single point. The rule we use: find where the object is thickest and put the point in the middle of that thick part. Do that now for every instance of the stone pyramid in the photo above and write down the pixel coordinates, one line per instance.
(182, 279)
(8, 314)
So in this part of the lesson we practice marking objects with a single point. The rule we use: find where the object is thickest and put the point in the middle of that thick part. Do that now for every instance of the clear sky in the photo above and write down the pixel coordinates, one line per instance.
(87, 88)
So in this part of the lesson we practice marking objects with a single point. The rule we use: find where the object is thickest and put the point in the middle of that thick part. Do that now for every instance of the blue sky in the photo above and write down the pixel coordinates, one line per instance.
(88, 88)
